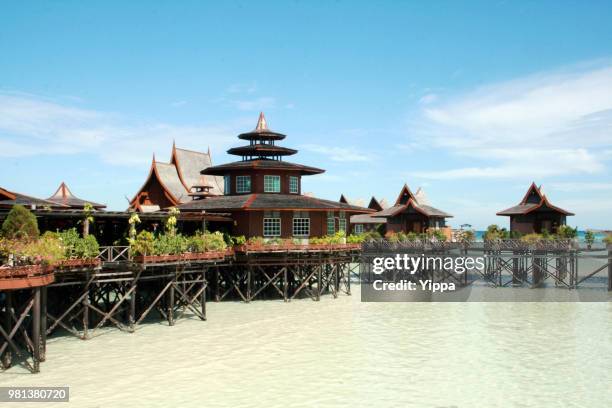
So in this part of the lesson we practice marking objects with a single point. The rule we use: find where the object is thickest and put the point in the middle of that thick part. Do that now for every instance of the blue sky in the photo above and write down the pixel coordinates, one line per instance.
(470, 100)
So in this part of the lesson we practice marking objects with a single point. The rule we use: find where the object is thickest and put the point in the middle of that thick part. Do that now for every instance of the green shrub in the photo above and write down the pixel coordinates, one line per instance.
(356, 238)
(87, 248)
(239, 240)
(255, 241)
(567, 232)
(168, 244)
(494, 232)
(47, 249)
(143, 243)
(531, 238)
(589, 237)
(20, 224)
(467, 237)
(608, 239)
(274, 241)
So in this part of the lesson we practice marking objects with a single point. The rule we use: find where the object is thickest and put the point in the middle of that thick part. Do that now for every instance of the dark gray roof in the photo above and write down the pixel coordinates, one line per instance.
(261, 164)
(268, 201)
(28, 201)
(191, 163)
(426, 209)
(518, 209)
(64, 196)
(367, 219)
(170, 179)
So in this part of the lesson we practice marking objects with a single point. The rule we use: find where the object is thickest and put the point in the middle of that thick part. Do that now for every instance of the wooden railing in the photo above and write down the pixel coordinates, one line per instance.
(115, 254)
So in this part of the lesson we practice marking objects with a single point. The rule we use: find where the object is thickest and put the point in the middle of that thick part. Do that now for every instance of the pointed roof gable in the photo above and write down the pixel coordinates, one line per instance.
(421, 197)
(533, 195)
(375, 205)
(343, 199)
(189, 165)
(533, 200)
(404, 196)
(64, 196)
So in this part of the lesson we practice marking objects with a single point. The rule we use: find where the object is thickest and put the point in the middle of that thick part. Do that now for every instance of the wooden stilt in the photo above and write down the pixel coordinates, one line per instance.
(43, 323)
(170, 309)
(36, 331)
(7, 357)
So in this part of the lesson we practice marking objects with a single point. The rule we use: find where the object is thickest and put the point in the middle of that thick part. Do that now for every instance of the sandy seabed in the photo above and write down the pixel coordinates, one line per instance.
(342, 352)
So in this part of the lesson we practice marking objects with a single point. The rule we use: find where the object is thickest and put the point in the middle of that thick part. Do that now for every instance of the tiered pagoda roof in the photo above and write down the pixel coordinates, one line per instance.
(261, 153)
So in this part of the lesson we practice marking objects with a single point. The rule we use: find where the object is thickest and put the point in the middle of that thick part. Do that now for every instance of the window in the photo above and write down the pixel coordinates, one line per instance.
(358, 228)
(271, 227)
(271, 184)
(331, 223)
(227, 185)
(243, 184)
(342, 224)
(301, 225)
(293, 185)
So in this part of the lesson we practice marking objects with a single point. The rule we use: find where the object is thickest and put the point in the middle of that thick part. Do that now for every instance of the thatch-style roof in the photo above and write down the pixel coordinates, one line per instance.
(533, 200)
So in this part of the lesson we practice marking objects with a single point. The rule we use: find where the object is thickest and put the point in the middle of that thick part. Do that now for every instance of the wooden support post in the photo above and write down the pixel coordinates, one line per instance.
(248, 277)
(132, 312)
(8, 325)
(43, 323)
(217, 283)
(36, 331)
(319, 287)
(203, 295)
(86, 314)
(285, 283)
(171, 304)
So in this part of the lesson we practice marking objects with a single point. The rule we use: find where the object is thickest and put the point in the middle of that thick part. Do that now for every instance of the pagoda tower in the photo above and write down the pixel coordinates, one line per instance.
(263, 192)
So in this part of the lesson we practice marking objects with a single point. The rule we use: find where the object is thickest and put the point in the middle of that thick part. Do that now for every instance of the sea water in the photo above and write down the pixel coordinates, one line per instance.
(342, 352)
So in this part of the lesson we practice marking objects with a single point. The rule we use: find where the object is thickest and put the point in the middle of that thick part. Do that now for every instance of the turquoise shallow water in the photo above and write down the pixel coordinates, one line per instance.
(341, 352)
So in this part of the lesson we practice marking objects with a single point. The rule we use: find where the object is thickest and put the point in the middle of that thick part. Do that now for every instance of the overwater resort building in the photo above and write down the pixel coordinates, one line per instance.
(368, 222)
(263, 192)
(535, 213)
(176, 182)
(410, 213)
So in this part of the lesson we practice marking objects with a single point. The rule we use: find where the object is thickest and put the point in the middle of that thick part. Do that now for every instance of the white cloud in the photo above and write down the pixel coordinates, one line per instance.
(576, 187)
(542, 125)
(247, 88)
(428, 99)
(339, 154)
(256, 104)
(32, 126)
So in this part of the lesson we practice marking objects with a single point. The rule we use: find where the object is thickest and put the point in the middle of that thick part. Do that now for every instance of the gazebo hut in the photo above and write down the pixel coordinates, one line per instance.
(535, 213)
(263, 193)
(412, 213)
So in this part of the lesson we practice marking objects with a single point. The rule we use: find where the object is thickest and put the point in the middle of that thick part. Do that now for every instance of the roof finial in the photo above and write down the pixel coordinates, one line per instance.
(261, 122)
